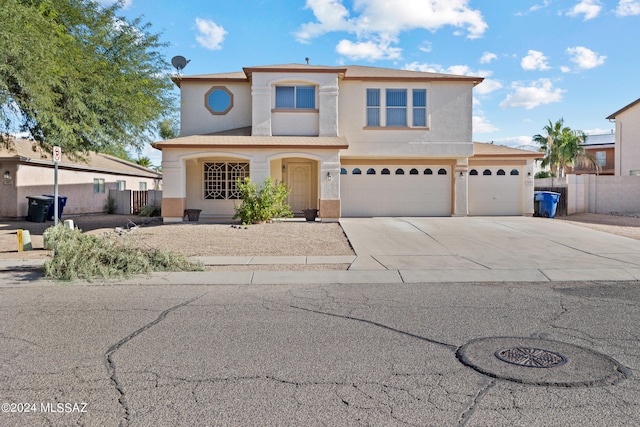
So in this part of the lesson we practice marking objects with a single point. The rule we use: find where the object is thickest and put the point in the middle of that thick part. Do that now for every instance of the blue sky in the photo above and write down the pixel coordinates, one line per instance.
(541, 59)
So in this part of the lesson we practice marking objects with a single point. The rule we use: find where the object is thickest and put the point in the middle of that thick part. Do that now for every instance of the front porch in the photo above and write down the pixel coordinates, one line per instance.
(206, 181)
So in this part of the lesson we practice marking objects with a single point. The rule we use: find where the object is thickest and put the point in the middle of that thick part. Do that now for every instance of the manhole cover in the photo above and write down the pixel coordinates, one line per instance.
(531, 357)
(572, 365)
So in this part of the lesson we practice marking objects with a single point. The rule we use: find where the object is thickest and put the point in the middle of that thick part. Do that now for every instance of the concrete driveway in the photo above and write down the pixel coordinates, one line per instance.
(490, 249)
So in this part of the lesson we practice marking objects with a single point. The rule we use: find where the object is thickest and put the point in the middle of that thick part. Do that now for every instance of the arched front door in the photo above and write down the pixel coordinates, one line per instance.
(299, 180)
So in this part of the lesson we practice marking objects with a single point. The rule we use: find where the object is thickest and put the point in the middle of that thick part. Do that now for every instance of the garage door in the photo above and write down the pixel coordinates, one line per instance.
(395, 190)
(495, 191)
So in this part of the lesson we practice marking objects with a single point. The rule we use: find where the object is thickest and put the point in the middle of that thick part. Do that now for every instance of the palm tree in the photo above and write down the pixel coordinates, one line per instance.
(144, 162)
(563, 147)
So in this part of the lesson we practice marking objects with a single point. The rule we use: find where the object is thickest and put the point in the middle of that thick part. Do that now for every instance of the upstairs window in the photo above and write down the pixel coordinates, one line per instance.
(396, 107)
(373, 107)
(296, 97)
(420, 107)
(601, 158)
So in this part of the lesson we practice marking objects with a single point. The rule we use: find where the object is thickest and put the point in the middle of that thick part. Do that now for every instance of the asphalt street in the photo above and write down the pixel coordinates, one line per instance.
(425, 354)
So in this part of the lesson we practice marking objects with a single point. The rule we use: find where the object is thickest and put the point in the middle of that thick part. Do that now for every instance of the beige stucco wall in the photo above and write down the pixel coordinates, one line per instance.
(267, 122)
(196, 119)
(77, 186)
(449, 111)
(628, 141)
(603, 194)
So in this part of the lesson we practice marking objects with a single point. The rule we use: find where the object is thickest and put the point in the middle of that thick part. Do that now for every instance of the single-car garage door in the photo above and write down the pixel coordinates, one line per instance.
(395, 190)
(495, 191)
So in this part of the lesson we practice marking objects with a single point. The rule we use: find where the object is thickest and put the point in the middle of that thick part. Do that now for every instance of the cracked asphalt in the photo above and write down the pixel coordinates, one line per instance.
(171, 355)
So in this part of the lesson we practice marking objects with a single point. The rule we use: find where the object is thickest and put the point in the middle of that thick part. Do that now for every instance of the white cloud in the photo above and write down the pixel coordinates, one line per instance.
(487, 86)
(535, 7)
(368, 50)
(460, 70)
(585, 58)
(482, 125)
(210, 35)
(487, 57)
(484, 88)
(565, 69)
(539, 92)
(372, 20)
(628, 8)
(426, 47)
(589, 8)
(535, 60)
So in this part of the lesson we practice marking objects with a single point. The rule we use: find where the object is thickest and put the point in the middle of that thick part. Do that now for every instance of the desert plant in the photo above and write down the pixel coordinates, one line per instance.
(264, 204)
(110, 205)
(544, 174)
(82, 256)
(149, 211)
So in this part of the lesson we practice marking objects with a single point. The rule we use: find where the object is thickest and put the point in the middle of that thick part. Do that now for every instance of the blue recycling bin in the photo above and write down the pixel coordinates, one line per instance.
(546, 203)
(62, 201)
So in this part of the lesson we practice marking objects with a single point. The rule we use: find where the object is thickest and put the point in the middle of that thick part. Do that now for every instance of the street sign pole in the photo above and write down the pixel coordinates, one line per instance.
(57, 156)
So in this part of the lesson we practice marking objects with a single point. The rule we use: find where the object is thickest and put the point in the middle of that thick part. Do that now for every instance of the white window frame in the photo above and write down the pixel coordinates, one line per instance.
(409, 108)
(295, 100)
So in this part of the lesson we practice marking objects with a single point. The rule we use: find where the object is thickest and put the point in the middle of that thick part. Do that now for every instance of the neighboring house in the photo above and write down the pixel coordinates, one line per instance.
(602, 149)
(627, 152)
(29, 172)
(349, 141)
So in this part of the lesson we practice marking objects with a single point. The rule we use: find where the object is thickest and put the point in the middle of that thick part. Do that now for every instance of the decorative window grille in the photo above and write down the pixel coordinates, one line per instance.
(220, 180)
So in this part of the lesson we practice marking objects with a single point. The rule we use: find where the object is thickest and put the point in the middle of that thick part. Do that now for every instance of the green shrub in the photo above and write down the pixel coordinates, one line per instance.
(262, 205)
(544, 174)
(150, 211)
(82, 256)
(110, 205)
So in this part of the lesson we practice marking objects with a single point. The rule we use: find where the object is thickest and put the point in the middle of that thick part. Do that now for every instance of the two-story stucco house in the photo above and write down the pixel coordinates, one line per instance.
(627, 140)
(349, 141)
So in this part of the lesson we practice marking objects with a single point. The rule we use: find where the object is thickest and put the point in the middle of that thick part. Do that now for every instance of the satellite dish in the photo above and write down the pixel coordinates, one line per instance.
(179, 62)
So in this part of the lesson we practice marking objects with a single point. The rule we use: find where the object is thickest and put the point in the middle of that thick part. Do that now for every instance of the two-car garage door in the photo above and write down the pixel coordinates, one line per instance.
(374, 190)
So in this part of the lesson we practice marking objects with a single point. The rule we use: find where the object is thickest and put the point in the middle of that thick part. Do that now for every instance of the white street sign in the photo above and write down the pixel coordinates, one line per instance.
(57, 154)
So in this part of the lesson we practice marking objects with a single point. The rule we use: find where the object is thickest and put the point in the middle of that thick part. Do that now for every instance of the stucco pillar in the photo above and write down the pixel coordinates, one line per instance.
(461, 188)
(259, 170)
(528, 190)
(329, 196)
(260, 110)
(328, 115)
(174, 190)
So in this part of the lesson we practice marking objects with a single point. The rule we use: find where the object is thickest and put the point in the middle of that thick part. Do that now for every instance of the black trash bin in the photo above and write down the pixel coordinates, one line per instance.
(62, 201)
(38, 208)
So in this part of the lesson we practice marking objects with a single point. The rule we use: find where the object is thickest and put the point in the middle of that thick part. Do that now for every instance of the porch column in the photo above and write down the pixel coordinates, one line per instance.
(461, 188)
(329, 179)
(174, 190)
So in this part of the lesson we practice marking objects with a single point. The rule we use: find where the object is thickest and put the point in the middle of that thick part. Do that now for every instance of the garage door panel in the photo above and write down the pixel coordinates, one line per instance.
(395, 194)
(495, 194)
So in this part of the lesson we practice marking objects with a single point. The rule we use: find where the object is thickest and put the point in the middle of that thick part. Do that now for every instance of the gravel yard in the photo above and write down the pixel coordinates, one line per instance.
(290, 237)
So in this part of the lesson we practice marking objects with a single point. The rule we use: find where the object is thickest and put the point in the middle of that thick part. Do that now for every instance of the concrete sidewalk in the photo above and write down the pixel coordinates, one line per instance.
(416, 250)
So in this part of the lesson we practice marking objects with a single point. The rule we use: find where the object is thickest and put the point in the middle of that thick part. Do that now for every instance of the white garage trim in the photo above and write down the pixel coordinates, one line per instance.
(395, 190)
(495, 190)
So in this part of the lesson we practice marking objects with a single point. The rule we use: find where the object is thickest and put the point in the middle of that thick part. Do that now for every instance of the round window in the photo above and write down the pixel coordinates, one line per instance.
(218, 100)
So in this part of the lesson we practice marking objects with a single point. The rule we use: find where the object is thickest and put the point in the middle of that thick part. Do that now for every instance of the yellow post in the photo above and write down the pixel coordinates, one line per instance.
(20, 247)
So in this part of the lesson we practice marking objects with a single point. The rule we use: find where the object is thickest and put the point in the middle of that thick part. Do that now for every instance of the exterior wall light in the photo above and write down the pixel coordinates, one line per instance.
(7, 175)
(329, 176)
